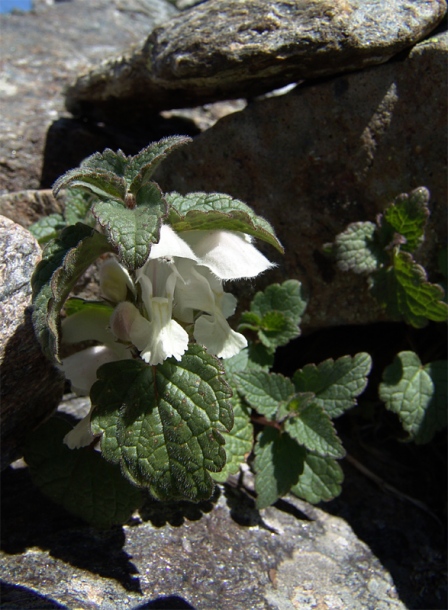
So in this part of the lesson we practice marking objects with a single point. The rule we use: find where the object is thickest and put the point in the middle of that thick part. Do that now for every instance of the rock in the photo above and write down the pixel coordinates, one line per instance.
(31, 387)
(327, 154)
(41, 52)
(224, 49)
(219, 554)
(26, 207)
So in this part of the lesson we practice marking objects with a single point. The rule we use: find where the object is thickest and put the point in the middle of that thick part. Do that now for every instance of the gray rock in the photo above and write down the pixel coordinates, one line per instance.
(222, 554)
(26, 207)
(225, 48)
(327, 154)
(31, 387)
(41, 52)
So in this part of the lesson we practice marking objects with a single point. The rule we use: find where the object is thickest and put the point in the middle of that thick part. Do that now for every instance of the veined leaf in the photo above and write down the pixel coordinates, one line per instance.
(79, 479)
(209, 211)
(357, 249)
(63, 262)
(103, 184)
(320, 480)
(163, 423)
(265, 392)
(336, 384)
(278, 464)
(408, 216)
(47, 227)
(417, 393)
(313, 428)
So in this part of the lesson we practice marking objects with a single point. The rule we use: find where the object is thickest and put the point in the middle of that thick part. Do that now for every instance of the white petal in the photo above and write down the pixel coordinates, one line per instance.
(170, 245)
(122, 319)
(80, 436)
(215, 333)
(115, 281)
(80, 368)
(228, 254)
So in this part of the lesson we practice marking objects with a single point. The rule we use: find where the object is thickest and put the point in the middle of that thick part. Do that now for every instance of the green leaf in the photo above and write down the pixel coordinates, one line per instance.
(406, 294)
(357, 249)
(336, 384)
(107, 161)
(142, 166)
(417, 393)
(63, 262)
(77, 207)
(208, 211)
(132, 231)
(265, 392)
(313, 428)
(320, 480)
(408, 216)
(79, 479)
(103, 184)
(278, 464)
(162, 423)
(275, 313)
(47, 227)
(76, 305)
(238, 441)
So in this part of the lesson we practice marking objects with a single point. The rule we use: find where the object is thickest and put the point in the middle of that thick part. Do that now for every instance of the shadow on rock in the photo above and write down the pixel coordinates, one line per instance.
(30, 520)
(176, 513)
(172, 602)
(14, 596)
(69, 141)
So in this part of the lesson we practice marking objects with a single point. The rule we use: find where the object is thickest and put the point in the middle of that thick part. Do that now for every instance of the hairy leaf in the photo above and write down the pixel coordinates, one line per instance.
(162, 423)
(238, 441)
(417, 393)
(408, 216)
(357, 249)
(64, 260)
(132, 231)
(208, 211)
(406, 294)
(336, 384)
(103, 184)
(77, 207)
(320, 480)
(79, 479)
(47, 227)
(142, 166)
(278, 464)
(264, 392)
(313, 428)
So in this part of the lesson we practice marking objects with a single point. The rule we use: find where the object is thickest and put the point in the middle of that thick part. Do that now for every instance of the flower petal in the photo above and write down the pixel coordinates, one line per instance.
(80, 368)
(228, 254)
(81, 435)
(87, 325)
(169, 245)
(115, 281)
(215, 333)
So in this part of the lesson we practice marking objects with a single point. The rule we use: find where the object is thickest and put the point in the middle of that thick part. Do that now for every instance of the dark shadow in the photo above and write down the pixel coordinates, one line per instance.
(69, 141)
(171, 602)
(176, 513)
(29, 519)
(15, 597)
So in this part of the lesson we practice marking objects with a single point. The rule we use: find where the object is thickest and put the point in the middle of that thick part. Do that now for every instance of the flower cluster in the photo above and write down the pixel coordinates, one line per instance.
(179, 289)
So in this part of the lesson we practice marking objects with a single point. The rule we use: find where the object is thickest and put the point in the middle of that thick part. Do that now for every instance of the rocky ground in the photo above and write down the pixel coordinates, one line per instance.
(363, 118)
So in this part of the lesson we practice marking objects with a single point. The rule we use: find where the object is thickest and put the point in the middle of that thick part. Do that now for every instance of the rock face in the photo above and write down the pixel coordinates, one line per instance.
(41, 52)
(327, 154)
(222, 554)
(228, 49)
(31, 388)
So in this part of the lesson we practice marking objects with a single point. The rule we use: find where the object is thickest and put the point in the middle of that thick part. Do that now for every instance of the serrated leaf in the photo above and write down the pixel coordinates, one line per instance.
(103, 184)
(320, 480)
(264, 391)
(408, 216)
(238, 441)
(313, 428)
(63, 262)
(142, 166)
(279, 309)
(77, 207)
(132, 231)
(417, 393)
(208, 211)
(80, 479)
(278, 464)
(406, 294)
(47, 227)
(357, 249)
(336, 384)
(163, 423)
(107, 161)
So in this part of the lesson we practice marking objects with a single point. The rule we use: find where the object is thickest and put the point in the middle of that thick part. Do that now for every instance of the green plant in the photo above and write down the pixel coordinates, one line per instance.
(179, 400)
